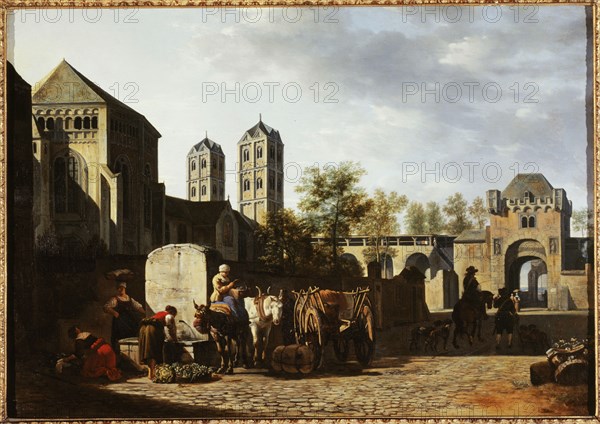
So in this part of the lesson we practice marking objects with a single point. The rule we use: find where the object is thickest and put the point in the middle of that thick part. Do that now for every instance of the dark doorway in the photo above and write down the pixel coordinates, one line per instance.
(529, 274)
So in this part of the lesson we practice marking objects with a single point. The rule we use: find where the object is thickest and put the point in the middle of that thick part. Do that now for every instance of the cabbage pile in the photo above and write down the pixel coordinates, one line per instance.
(182, 373)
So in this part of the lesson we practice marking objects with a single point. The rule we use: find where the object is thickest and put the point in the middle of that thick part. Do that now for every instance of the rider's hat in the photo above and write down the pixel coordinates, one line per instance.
(471, 270)
(224, 268)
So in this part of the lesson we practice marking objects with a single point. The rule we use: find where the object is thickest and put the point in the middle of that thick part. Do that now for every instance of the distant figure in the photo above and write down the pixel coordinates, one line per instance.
(222, 285)
(98, 357)
(504, 316)
(126, 316)
(158, 339)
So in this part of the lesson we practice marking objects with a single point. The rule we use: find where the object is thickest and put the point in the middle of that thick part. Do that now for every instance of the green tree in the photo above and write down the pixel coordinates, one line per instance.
(381, 221)
(285, 242)
(434, 218)
(583, 220)
(479, 212)
(332, 202)
(415, 219)
(456, 211)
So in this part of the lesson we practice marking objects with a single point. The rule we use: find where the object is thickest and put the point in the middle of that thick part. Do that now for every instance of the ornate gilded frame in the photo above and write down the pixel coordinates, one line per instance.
(7, 5)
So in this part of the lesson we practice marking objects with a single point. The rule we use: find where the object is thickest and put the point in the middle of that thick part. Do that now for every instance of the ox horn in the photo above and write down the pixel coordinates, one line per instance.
(269, 290)
(259, 290)
(195, 305)
(280, 294)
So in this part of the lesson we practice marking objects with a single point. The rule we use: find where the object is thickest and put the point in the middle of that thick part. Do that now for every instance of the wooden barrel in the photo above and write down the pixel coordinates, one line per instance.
(541, 373)
(572, 372)
(293, 359)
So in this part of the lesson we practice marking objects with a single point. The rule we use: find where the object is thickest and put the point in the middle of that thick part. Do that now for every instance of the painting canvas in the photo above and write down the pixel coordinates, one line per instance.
(300, 212)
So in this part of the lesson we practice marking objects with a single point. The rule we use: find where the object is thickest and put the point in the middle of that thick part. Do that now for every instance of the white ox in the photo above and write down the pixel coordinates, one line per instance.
(264, 310)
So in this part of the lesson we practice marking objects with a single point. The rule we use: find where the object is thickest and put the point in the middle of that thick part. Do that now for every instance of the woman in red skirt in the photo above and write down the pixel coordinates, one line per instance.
(98, 357)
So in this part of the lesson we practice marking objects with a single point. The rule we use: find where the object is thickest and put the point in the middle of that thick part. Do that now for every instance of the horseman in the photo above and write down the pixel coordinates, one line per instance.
(472, 290)
(222, 285)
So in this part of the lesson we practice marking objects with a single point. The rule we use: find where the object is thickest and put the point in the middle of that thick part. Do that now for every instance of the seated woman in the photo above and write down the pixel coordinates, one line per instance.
(222, 286)
(158, 339)
(98, 357)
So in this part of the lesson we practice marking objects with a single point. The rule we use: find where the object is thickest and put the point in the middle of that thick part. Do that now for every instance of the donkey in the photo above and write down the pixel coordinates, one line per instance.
(264, 310)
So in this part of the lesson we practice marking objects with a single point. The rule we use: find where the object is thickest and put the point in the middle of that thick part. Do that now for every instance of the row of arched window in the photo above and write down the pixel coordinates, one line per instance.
(60, 124)
(70, 182)
(259, 153)
(203, 191)
(119, 126)
(203, 164)
(259, 184)
(528, 221)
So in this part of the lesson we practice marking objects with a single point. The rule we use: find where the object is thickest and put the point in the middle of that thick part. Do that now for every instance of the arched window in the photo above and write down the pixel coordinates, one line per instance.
(95, 122)
(181, 233)
(213, 164)
(193, 165)
(67, 184)
(50, 124)
(246, 155)
(272, 152)
(41, 123)
(122, 167)
(193, 191)
(524, 222)
(68, 123)
(531, 222)
(279, 184)
(59, 124)
(246, 185)
(259, 183)
(86, 123)
(203, 164)
(259, 152)
(203, 190)
(220, 165)
(214, 190)
(227, 231)
(147, 197)
(78, 123)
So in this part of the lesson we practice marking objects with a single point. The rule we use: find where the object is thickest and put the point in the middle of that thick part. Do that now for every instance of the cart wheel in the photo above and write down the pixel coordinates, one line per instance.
(364, 341)
(341, 348)
(313, 335)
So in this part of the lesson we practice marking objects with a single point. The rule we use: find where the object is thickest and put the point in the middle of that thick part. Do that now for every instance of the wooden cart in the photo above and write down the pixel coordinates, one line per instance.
(316, 322)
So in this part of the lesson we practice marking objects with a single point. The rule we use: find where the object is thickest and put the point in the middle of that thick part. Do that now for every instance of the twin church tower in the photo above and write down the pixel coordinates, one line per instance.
(259, 172)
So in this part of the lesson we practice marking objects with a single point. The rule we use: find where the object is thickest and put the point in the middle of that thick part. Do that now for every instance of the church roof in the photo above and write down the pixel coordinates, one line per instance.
(536, 184)
(65, 84)
(244, 222)
(269, 131)
(209, 144)
(197, 213)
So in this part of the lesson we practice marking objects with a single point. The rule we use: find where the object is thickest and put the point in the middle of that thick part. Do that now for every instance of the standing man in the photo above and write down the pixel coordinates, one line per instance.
(504, 316)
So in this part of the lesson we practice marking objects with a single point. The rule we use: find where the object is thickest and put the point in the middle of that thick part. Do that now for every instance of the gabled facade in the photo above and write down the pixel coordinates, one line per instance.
(206, 172)
(98, 167)
(260, 172)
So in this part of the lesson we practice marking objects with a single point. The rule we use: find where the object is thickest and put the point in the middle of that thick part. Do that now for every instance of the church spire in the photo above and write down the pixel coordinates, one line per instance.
(260, 117)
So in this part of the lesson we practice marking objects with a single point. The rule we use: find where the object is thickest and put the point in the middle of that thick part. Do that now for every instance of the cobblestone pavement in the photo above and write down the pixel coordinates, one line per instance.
(471, 382)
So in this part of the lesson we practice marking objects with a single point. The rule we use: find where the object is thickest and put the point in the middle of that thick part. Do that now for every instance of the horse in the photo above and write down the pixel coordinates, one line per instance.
(218, 320)
(264, 310)
(465, 314)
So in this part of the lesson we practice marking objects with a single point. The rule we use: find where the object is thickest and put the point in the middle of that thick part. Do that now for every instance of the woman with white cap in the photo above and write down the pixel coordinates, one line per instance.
(126, 315)
(222, 285)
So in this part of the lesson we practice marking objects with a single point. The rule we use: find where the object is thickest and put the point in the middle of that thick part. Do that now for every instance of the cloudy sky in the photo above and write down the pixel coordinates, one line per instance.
(430, 101)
